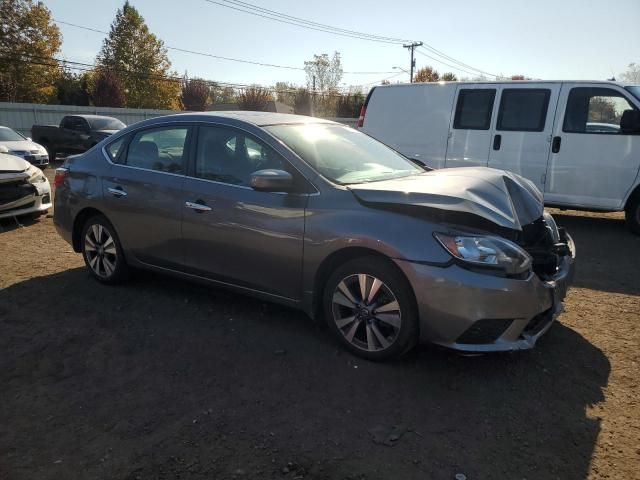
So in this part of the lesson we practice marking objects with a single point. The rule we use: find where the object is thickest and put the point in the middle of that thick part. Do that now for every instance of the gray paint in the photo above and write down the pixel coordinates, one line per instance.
(273, 245)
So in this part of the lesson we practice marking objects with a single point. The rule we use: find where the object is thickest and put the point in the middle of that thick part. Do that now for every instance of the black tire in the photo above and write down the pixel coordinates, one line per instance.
(632, 214)
(370, 332)
(106, 262)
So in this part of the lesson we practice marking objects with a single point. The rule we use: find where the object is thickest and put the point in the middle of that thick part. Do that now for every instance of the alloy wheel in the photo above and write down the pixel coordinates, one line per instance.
(100, 250)
(366, 312)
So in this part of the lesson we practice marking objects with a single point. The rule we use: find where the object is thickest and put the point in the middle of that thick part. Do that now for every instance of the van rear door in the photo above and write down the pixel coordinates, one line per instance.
(593, 163)
(522, 130)
(470, 127)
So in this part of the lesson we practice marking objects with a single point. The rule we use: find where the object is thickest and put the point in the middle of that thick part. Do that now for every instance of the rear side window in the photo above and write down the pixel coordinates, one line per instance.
(114, 148)
(523, 110)
(474, 109)
(594, 110)
(160, 149)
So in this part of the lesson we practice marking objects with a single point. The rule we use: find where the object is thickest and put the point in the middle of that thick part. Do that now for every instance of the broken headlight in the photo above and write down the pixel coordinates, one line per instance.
(487, 251)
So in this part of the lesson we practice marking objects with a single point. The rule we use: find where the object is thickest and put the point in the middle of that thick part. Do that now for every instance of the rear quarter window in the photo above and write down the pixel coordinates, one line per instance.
(474, 109)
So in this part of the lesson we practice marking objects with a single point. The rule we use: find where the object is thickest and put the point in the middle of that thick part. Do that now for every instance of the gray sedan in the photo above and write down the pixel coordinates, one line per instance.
(321, 217)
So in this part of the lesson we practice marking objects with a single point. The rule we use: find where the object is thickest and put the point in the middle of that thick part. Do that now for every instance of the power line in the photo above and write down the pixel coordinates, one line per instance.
(256, 10)
(218, 57)
(86, 67)
(445, 63)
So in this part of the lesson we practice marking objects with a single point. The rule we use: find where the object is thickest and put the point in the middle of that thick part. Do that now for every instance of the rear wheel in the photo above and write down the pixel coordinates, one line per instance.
(632, 214)
(102, 251)
(369, 305)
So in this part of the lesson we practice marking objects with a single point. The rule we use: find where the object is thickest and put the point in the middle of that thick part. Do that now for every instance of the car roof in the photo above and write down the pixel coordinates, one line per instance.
(259, 119)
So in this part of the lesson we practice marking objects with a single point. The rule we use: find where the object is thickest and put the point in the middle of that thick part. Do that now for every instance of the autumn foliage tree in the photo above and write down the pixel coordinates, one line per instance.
(195, 94)
(426, 74)
(140, 59)
(108, 90)
(29, 42)
(254, 98)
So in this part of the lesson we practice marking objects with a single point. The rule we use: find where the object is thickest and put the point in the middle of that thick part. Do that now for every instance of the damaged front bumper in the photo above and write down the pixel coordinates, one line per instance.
(28, 199)
(475, 312)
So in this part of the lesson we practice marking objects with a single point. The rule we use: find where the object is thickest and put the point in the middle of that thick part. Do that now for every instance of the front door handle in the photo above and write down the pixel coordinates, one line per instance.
(497, 141)
(117, 192)
(555, 145)
(198, 206)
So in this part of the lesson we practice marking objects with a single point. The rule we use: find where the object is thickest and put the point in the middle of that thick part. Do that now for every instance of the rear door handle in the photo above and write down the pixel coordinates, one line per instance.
(555, 145)
(117, 192)
(497, 142)
(198, 206)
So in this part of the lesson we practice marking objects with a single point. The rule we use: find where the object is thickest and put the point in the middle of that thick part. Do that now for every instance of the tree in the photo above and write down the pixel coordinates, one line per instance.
(601, 109)
(632, 75)
(449, 77)
(108, 90)
(326, 71)
(302, 102)
(195, 94)
(140, 60)
(29, 42)
(254, 98)
(72, 88)
(285, 92)
(426, 74)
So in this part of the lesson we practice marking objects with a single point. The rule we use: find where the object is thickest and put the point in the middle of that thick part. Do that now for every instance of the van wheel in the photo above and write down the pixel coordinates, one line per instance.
(632, 214)
(369, 306)
(102, 251)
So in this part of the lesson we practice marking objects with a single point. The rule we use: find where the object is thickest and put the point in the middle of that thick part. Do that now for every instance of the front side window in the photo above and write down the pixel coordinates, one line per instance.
(474, 109)
(230, 156)
(523, 109)
(342, 154)
(594, 110)
(76, 123)
(160, 149)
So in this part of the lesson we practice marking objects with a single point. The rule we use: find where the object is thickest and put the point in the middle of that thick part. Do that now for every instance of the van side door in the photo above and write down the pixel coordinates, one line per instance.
(470, 128)
(593, 163)
(522, 131)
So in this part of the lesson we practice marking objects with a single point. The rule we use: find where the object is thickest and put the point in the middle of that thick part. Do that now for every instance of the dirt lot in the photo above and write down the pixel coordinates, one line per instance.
(161, 379)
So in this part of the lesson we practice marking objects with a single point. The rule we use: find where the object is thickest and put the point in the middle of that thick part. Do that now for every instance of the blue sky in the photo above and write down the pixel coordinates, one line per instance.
(547, 39)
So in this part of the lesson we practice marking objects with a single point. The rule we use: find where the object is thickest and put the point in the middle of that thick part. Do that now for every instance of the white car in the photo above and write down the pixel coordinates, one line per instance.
(24, 189)
(23, 147)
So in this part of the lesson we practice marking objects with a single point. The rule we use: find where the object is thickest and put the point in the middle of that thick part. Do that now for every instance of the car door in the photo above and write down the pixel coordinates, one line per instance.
(470, 129)
(593, 163)
(143, 192)
(74, 134)
(521, 139)
(232, 233)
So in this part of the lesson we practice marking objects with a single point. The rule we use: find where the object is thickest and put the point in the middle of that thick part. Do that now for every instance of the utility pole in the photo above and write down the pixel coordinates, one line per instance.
(411, 46)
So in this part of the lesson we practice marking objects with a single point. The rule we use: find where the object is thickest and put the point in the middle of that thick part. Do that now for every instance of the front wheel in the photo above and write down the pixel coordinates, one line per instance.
(102, 251)
(632, 214)
(370, 307)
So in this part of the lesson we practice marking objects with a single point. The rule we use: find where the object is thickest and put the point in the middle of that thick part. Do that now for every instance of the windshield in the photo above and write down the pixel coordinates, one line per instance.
(635, 90)
(8, 135)
(342, 154)
(106, 124)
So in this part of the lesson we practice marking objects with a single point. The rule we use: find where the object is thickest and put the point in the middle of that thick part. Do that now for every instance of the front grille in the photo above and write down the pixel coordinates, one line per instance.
(487, 330)
(537, 239)
(21, 207)
(10, 192)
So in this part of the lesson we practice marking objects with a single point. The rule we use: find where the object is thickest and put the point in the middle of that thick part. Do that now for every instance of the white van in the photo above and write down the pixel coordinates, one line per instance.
(579, 142)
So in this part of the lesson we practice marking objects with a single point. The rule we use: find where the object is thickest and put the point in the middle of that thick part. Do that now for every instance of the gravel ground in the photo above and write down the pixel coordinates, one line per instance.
(161, 379)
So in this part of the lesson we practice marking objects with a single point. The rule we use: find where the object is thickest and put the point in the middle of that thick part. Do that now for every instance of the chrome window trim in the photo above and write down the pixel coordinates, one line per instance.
(217, 124)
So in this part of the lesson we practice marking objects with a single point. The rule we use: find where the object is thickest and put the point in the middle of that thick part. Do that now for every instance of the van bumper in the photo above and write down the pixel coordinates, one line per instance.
(474, 312)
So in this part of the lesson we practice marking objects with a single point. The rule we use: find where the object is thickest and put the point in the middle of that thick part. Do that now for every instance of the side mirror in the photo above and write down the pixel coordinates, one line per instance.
(630, 121)
(271, 180)
(4, 149)
(29, 139)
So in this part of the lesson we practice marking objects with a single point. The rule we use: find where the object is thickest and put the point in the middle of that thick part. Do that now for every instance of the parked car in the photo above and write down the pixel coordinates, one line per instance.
(24, 190)
(324, 218)
(76, 133)
(23, 147)
(579, 142)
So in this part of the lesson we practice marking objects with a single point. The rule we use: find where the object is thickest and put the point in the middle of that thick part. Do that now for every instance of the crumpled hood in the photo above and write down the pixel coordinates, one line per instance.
(11, 163)
(504, 198)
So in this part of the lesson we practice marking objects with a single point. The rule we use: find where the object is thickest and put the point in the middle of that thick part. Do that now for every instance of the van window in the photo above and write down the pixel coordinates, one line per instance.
(523, 110)
(474, 108)
(594, 110)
